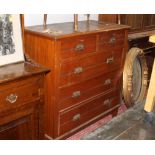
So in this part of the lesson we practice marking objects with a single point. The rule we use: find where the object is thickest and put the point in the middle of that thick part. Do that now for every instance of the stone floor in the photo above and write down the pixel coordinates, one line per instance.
(134, 124)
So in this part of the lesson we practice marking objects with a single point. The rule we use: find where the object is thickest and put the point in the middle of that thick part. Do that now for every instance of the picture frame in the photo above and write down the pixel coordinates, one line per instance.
(11, 45)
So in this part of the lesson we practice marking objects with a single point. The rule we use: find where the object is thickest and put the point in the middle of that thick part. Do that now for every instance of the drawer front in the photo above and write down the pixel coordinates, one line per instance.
(112, 38)
(76, 46)
(81, 114)
(73, 71)
(73, 65)
(19, 93)
(70, 96)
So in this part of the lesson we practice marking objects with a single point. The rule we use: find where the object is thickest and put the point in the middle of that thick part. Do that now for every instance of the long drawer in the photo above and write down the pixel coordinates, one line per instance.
(71, 119)
(74, 70)
(77, 46)
(72, 95)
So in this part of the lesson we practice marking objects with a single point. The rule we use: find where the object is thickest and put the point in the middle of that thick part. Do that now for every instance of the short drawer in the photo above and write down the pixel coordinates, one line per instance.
(76, 46)
(112, 38)
(18, 93)
(72, 95)
(75, 70)
(71, 119)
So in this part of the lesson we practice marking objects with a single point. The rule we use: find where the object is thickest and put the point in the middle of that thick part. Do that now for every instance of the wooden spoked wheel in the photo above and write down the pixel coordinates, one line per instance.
(135, 77)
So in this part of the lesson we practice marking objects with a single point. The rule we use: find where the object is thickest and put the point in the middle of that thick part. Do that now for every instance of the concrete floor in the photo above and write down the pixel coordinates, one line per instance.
(131, 125)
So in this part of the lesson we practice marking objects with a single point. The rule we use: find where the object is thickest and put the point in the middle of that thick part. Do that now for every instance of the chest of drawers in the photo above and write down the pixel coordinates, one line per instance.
(84, 85)
(22, 102)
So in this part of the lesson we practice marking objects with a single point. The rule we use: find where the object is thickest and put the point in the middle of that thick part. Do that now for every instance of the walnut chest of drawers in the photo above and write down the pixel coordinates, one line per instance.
(86, 65)
(22, 101)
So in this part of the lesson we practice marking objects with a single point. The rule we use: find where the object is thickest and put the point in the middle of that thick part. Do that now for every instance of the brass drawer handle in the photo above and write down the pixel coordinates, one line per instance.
(112, 40)
(76, 94)
(76, 117)
(110, 60)
(78, 70)
(12, 98)
(107, 82)
(79, 47)
(107, 102)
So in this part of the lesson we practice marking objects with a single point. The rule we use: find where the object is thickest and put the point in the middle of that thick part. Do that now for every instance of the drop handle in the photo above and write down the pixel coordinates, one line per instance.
(12, 98)
(78, 70)
(76, 94)
(107, 82)
(112, 40)
(79, 47)
(107, 102)
(76, 117)
(110, 60)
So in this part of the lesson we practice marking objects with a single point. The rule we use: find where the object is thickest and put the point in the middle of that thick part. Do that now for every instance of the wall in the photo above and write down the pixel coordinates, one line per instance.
(37, 19)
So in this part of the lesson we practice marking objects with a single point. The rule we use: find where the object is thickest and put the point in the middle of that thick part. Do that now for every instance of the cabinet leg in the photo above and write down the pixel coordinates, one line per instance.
(115, 112)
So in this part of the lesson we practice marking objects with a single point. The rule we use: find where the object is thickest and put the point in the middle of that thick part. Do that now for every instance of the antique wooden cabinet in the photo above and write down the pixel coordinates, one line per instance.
(86, 65)
(21, 101)
(138, 22)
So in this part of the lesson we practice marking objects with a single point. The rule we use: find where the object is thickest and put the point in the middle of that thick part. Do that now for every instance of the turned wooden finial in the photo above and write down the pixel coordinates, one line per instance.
(88, 18)
(119, 19)
(45, 21)
(76, 22)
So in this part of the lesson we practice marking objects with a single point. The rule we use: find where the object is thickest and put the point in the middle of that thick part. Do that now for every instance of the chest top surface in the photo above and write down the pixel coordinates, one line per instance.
(62, 30)
(20, 70)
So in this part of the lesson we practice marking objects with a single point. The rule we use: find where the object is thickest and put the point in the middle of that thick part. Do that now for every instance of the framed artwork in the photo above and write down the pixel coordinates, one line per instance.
(11, 46)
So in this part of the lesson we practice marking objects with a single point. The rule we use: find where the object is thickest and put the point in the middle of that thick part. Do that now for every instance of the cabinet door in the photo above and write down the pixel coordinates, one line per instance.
(23, 128)
(133, 20)
(149, 21)
(112, 18)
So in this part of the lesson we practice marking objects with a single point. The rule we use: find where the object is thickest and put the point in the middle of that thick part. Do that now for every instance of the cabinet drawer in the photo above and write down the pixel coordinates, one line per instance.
(73, 65)
(76, 46)
(83, 113)
(69, 96)
(19, 93)
(112, 38)
(73, 71)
